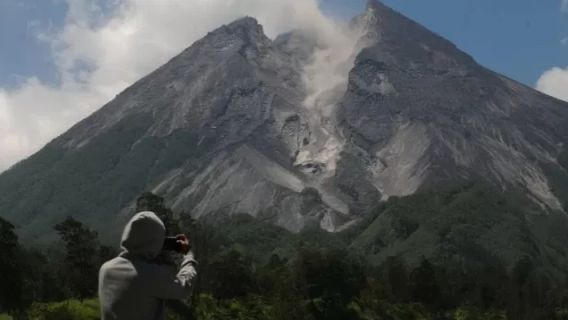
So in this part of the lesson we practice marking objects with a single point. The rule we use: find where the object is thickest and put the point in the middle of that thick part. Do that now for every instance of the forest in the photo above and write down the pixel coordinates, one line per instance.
(249, 269)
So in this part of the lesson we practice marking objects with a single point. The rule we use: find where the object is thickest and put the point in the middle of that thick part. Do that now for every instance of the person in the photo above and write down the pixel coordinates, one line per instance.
(133, 285)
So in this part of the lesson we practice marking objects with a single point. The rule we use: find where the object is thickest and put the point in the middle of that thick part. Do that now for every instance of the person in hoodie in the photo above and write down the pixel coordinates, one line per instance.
(133, 285)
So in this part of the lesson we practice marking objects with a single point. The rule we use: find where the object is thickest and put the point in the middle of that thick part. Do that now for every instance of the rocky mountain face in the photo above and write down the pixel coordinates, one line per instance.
(240, 123)
(424, 113)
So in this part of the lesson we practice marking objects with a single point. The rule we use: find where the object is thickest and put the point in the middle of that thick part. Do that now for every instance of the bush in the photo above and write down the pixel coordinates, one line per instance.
(472, 313)
(66, 310)
(246, 308)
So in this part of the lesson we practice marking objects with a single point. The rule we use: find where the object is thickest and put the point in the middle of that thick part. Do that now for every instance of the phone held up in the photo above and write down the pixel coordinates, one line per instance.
(172, 244)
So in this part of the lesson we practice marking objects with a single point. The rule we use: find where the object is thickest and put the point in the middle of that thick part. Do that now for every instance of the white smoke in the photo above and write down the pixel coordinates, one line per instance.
(325, 79)
(102, 50)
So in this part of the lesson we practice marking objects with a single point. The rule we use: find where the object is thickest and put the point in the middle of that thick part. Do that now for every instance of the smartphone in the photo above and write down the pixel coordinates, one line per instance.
(172, 244)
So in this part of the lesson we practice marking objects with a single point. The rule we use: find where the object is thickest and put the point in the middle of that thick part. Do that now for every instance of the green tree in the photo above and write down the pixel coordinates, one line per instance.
(151, 202)
(82, 257)
(393, 273)
(424, 285)
(44, 279)
(10, 271)
(230, 275)
(330, 280)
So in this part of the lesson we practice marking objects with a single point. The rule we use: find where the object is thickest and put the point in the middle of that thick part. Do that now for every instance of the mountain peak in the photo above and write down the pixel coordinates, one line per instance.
(244, 22)
(373, 4)
(367, 20)
(247, 29)
(246, 26)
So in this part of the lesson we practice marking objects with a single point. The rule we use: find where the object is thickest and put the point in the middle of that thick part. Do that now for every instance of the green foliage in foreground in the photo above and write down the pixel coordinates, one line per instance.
(252, 307)
(66, 310)
(251, 270)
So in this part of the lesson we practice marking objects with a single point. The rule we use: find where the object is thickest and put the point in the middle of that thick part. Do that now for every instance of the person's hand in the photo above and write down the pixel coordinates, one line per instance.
(184, 243)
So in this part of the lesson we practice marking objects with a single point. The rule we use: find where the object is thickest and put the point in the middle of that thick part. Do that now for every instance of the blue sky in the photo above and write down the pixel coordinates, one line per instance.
(520, 39)
(22, 54)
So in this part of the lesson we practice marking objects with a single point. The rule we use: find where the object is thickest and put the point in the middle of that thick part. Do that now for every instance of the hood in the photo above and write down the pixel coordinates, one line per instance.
(143, 236)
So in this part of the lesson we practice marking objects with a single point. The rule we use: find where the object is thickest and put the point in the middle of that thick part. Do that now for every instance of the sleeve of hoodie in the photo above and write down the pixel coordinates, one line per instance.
(168, 286)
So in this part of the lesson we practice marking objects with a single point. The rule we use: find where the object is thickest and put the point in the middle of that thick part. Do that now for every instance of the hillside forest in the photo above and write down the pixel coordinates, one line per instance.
(249, 269)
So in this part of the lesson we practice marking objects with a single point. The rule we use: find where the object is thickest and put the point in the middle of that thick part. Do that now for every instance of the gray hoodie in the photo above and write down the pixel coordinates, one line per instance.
(132, 286)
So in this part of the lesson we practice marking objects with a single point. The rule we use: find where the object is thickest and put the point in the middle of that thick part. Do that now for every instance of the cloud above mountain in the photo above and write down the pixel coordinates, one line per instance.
(104, 46)
(554, 82)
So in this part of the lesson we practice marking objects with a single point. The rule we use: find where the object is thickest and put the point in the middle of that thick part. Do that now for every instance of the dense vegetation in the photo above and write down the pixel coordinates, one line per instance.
(251, 270)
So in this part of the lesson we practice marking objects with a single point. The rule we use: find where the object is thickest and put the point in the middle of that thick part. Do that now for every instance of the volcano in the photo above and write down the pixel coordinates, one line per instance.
(298, 133)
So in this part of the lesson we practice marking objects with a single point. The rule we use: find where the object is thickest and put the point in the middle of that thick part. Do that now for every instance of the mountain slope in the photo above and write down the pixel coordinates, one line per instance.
(425, 113)
(210, 112)
(239, 123)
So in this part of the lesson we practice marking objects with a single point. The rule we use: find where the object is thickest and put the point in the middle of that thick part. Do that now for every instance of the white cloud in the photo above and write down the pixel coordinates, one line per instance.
(100, 52)
(554, 82)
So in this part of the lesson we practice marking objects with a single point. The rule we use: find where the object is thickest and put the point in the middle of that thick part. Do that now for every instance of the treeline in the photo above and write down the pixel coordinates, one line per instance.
(252, 270)
(317, 275)
(31, 275)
